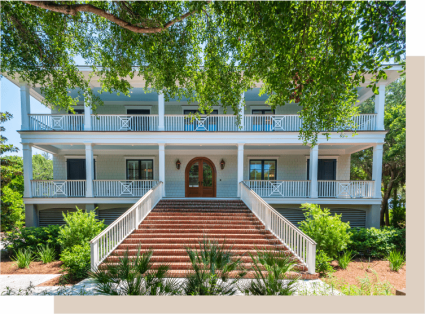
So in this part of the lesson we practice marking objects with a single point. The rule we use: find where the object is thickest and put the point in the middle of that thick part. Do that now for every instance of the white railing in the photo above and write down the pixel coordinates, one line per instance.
(346, 189)
(115, 122)
(211, 123)
(122, 188)
(50, 122)
(58, 188)
(280, 188)
(365, 122)
(301, 245)
(109, 239)
(269, 123)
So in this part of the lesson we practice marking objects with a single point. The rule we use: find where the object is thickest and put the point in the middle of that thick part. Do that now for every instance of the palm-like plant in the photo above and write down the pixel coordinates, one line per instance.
(135, 276)
(212, 265)
(271, 276)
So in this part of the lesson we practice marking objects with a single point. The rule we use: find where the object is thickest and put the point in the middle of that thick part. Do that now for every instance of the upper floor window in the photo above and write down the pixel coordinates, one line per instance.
(139, 169)
(265, 111)
(262, 170)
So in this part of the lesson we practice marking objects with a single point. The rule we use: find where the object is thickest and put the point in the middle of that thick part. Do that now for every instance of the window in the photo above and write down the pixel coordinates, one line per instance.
(269, 111)
(77, 111)
(140, 169)
(262, 170)
(326, 169)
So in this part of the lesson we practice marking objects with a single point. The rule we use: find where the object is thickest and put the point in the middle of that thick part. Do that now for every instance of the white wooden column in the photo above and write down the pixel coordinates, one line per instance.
(25, 107)
(377, 168)
(240, 166)
(27, 156)
(161, 111)
(87, 113)
(380, 108)
(161, 161)
(242, 112)
(89, 170)
(314, 165)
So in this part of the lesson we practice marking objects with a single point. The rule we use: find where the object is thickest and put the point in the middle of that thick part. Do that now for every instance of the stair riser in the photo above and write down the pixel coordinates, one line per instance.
(175, 259)
(142, 236)
(199, 218)
(203, 222)
(194, 227)
(182, 252)
(196, 241)
(196, 246)
(206, 231)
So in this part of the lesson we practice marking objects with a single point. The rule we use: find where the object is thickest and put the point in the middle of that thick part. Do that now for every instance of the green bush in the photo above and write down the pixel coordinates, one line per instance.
(345, 259)
(323, 261)
(377, 243)
(23, 257)
(79, 229)
(33, 238)
(46, 254)
(329, 232)
(396, 260)
(76, 261)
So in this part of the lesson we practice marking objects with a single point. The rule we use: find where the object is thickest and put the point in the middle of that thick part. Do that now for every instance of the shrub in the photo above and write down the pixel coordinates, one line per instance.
(46, 254)
(377, 243)
(33, 238)
(329, 232)
(276, 281)
(398, 215)
(76, 261)
(396, 260)
(323, 265)
(135, 277)
(345, 259)
(79, 229)
(23, 257)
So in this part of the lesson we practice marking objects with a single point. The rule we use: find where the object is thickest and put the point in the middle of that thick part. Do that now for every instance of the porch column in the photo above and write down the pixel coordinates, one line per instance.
(87, 113)
(31, 215)
(161, 161)
(25, 107)
(27, 156)
(161, 112)
(377, 168)
(314, 164)
(380, 108)
(242, 112)
(89, 170)
(240, 166)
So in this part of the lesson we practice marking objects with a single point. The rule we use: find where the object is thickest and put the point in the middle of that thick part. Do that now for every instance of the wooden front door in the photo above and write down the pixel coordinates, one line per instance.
(200, 178)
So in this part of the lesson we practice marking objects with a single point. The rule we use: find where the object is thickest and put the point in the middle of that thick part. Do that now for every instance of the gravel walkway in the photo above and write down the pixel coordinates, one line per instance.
(22, 281)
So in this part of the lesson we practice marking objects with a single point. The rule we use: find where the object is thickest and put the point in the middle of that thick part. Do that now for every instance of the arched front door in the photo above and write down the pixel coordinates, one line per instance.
(200, 178)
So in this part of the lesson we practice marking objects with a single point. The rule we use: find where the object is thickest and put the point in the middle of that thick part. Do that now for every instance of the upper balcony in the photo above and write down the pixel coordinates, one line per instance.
(180, 123)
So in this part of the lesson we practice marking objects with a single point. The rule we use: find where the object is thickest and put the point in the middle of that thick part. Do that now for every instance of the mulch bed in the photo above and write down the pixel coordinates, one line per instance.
(360, 268)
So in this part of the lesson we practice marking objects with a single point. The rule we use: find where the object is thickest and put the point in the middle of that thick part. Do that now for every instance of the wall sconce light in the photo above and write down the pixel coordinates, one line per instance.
(178, 163)
(222, 164)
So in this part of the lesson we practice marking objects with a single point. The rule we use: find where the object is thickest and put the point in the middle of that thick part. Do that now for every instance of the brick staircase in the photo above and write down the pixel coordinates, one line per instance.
(174, 224)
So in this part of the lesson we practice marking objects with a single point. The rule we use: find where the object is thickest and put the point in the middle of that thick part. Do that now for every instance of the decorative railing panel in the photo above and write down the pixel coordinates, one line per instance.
(58, 188)
(53, 122)
(279, 188)
(270, 123)
(346, 189)
(211, 123)
(104, 122)
(301, 245)
(122, 188)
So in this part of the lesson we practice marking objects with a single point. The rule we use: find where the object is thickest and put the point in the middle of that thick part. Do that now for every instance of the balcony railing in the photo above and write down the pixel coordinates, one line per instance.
(279, 188)
(58, 188)
(122, 188)
(181, 123)
(346, 189)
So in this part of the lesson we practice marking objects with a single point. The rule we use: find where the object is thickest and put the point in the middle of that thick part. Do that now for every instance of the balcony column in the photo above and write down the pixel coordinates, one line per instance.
(161, 110)
(314, 164)
(25, 107)
(380, 108)
(242, 112)
(377, 169)
(27, 157)
(161, 161)
(87, 113)
(89, 170)
(240, 166)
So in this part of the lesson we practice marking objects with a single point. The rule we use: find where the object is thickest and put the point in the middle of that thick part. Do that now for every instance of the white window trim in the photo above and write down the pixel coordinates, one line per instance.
(263, 157)
(326, 157)
(78, 157)
(140, 157)
(323, 157)
(138, 107)
(195, 107)
(256, 107)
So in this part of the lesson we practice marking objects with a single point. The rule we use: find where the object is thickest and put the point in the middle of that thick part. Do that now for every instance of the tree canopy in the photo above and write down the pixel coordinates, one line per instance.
(312, 53)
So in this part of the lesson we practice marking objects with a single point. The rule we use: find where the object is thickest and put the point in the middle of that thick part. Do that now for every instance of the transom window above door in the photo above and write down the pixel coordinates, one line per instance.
(139, 169)
(262, 170)
(138, 111)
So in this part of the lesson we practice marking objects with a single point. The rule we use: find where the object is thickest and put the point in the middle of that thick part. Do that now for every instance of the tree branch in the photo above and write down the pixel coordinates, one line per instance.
(75, 8)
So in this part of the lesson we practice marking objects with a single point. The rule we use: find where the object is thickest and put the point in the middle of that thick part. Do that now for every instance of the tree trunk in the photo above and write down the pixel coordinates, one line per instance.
(387, 192)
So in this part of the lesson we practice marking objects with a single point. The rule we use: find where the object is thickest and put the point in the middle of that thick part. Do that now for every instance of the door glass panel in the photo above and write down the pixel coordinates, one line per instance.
(207, 175)
(147, 173)
(194, 175)
(133, 170)
(269, 170)
(255, 170)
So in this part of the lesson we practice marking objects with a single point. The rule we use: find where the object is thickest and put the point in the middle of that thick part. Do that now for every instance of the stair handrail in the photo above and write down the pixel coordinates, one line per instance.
(300, 244)
(108, 240)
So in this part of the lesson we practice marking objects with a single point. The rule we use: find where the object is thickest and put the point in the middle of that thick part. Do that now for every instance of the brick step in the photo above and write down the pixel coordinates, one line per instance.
(200, 236)
(196, 226)
(200, 203)
(206, 231)
(201, 210)
(201, 217)
(173, 246)
(185, 241)
(203, 221)
(182, 252)
(249, 274)
(200, 214)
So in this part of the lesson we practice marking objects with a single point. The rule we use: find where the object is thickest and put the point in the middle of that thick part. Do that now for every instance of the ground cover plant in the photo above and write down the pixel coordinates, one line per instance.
(23, 258)
(46, 254)
(396, 260)
(345, 258)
